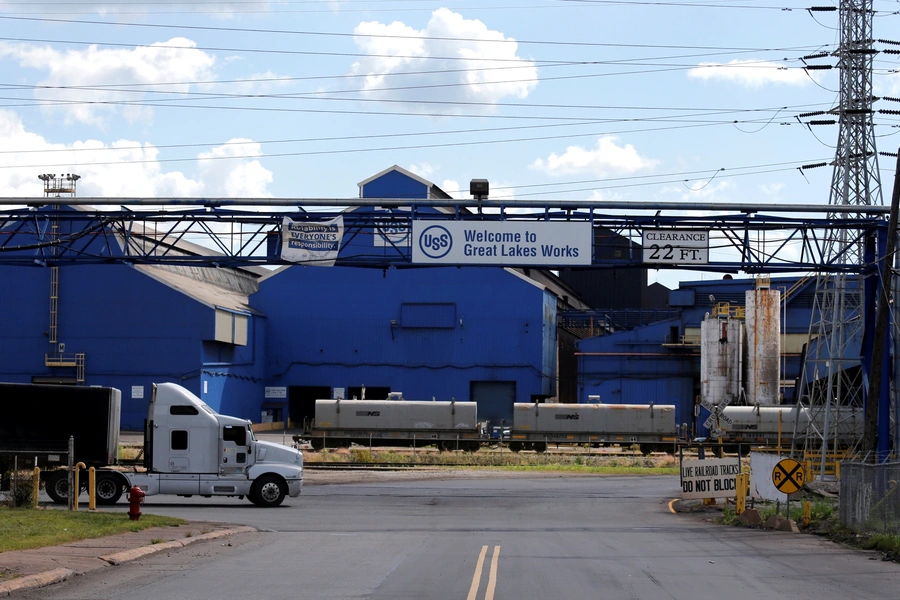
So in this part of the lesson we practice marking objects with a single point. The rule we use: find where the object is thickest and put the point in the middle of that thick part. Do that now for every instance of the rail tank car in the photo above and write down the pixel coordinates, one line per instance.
(535, 425)
(759, 425)
(395, 422)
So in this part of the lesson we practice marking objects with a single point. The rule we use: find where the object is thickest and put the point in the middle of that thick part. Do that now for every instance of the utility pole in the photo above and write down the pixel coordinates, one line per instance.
(870, 433)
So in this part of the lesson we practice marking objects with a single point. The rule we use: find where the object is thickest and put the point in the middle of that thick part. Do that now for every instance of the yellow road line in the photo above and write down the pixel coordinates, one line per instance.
(492, 578)
(673, 501)
(476, 579)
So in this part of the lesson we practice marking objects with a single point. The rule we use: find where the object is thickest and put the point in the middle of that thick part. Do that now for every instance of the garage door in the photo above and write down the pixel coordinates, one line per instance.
(495, 400)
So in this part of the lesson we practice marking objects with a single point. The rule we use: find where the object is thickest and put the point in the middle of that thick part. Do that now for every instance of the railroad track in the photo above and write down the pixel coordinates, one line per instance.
(314, 466)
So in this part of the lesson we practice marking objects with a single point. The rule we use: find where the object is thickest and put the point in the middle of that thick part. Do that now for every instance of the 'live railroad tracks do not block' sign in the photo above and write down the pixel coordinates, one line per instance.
(711, 478)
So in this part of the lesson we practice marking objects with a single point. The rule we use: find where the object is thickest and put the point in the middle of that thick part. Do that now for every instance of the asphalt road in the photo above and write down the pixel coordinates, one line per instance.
(486, 539)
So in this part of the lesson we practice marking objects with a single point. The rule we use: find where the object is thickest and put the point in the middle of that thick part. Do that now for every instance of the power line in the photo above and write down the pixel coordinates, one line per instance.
(386, 36)
(365, 150)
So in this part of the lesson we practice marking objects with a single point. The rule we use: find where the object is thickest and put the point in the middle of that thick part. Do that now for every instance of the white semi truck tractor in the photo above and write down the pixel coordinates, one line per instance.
(189, 449)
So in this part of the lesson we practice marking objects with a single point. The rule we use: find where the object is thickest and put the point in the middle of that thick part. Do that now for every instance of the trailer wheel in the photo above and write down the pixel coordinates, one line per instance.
(540, 447)
(268, 491)
(109, 489)
(317, 443)
(515, 446)
(58, 487)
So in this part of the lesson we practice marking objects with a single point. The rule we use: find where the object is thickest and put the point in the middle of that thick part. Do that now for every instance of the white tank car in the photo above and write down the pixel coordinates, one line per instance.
(594, 418)
(395, 415)
(760, 423)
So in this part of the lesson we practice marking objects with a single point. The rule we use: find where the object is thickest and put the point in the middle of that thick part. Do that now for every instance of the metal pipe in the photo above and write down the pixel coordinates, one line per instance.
(407, 203)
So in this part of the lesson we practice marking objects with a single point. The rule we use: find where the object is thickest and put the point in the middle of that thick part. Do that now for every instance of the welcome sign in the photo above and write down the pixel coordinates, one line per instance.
(503, 243)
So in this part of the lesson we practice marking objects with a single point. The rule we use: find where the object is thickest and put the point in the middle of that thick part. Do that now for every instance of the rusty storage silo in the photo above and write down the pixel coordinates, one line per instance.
(763, 322)
(721, 348)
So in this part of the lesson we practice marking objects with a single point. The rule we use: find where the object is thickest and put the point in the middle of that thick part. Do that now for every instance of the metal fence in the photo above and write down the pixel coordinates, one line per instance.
(870, 498)
(17, 473)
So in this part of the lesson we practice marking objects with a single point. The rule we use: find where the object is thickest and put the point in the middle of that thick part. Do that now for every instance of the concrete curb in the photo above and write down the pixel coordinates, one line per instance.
(118, 558)
(33, 581)
(125, 556)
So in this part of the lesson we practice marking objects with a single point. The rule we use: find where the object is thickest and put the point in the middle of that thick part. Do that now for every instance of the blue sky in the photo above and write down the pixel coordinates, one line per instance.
(548, 99)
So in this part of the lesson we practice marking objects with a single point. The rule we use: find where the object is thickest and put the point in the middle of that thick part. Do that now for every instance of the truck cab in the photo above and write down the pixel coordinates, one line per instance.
(191, 449)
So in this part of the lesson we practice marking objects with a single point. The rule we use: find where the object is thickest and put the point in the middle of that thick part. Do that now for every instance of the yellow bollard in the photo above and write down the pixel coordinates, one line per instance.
(808, 471)
(36, 490)
(75, 492)
(742, 485)
(92, 489)
(837, 470)
(807, 512)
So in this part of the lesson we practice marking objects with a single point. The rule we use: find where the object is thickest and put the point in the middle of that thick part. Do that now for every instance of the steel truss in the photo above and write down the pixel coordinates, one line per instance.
(210, 233)
(839, 319)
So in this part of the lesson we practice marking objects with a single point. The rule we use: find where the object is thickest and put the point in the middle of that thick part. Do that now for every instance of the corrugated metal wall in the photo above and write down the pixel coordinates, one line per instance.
(132, 329)
(345, 327)
(634, 367)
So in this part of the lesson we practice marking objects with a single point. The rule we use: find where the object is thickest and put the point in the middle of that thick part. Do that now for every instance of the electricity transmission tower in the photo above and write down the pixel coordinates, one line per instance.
(835, 333)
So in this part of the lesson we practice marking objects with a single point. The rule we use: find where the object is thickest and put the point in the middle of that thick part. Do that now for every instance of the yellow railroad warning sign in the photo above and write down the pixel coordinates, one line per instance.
(788, 476)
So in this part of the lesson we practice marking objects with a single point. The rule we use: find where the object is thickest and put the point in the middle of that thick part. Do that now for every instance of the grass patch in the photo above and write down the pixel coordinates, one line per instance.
(21, 529)
(883, 542)
(635, 463)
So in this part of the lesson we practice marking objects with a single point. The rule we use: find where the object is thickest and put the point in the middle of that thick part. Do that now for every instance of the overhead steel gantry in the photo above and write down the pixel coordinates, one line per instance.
(235, 232)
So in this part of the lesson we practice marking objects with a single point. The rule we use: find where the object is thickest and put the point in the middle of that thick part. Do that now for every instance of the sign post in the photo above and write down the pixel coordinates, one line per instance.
(788, 476)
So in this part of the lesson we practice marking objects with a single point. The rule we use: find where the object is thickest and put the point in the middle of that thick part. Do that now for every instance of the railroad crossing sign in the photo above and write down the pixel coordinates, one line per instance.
(788, 476)
(716, 415)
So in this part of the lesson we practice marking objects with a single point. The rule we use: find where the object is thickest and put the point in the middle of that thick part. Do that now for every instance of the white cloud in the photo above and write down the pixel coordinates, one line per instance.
(123, 168)
(231, 174)
(772, 189)
(176, 60)
(452, 188)
(606, 160)
(477, 64)
(424, 170)
(750, 73)
(888, 85)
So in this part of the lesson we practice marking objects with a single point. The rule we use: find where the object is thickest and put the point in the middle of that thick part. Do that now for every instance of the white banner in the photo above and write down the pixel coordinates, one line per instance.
(315, 243)
(711, 478)
(506, 243)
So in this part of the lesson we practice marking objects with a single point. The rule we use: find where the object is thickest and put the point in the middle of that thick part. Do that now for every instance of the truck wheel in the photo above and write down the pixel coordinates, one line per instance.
(268, 491)
(58, 487)
(109, 489)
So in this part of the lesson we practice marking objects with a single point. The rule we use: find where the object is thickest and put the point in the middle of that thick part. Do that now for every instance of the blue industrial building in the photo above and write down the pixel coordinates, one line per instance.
(486, 334)
(252, 341)
(128, 327)
(658, 361)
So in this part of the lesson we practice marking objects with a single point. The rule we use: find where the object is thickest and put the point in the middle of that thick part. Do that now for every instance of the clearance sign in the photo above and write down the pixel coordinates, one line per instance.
(676, 246)
(506, 243)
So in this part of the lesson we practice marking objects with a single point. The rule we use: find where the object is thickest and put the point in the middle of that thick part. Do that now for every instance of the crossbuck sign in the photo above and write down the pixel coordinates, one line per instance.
(717, 416)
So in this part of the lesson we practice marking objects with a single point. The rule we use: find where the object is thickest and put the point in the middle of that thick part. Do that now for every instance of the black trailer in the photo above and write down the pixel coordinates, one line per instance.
(42, 418)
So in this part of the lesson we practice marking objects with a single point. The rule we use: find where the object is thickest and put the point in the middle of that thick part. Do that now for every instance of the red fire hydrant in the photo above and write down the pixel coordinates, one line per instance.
(135, 499)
